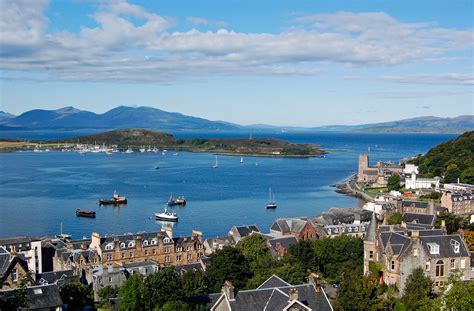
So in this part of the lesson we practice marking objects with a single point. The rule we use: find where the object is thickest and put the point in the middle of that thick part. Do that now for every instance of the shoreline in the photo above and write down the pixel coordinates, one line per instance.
(349, 187)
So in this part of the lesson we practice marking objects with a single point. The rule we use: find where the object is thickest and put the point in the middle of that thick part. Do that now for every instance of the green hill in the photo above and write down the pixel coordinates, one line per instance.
(136, 138)
(452, 159)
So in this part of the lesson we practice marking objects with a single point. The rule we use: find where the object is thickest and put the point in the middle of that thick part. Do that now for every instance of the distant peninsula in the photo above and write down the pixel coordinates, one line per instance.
(143, 138)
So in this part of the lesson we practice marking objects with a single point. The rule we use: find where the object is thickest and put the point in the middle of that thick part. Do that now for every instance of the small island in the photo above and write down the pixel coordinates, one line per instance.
(135, 139)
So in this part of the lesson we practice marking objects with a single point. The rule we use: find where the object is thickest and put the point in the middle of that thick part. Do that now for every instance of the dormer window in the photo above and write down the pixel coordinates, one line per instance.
(166, 240)
(434, 248)
(131, 244)
(145, 243)
(154, 242)
(455, 245)
(122, 245)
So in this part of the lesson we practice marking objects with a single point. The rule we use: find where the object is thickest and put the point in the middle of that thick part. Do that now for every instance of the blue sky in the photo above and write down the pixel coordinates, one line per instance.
(302, 63)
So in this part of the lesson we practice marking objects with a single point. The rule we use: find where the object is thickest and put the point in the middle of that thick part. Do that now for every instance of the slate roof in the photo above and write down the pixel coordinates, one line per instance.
(419, 219)
(4, 260)
(189, 267)
(285, 241)
(398, 241)
(244, 231)
(54, 276)
(273, 294)
(40, 297)
(126, 238)
(289, 225)
(371, 236)
(417, 204)
(445, 247)
(274, 281)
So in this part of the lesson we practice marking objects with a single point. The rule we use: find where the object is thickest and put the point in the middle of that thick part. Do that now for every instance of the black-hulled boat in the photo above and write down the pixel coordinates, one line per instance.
(117, 199)
(178, 201)
(85, 213)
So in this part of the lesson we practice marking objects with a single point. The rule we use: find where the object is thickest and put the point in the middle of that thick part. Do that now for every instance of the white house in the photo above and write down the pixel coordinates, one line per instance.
(410, 169)
(421, 183)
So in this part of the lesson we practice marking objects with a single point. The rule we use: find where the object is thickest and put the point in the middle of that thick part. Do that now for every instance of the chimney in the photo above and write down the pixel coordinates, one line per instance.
(293, 294)
(228, 290)
(168, 230)
(198, 234)
(458, 180)
(415, 234)
(315, 281)
(403, 224)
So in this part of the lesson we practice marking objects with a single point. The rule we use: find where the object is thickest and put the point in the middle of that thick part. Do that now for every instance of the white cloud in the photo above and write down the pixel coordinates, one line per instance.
(432, 79)
(205, 22)
(130, 43)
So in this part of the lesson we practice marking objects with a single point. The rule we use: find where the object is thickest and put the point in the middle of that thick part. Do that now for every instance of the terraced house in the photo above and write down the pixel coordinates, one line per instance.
(159, 247)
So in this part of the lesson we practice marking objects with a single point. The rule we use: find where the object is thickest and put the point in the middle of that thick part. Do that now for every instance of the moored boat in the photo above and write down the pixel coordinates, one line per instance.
(117, 199)
(271, 202)
(167, 215)
(85, 213)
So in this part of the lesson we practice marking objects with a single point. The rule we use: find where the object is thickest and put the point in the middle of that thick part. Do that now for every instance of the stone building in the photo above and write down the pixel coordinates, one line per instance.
(401, 249)
(459, 203)
(300, 228)
(213, 244)
(378, 174)
(28, 246)
(13, 268)
(160, 247)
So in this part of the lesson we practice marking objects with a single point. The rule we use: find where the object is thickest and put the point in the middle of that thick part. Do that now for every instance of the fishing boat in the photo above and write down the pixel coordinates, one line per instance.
(216, 165)
(180, 200)
(271, 200)
(167, 215)
(85, 213)
(117, 199)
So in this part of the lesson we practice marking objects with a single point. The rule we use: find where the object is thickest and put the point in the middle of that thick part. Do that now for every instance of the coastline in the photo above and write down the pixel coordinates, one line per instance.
(349, 187)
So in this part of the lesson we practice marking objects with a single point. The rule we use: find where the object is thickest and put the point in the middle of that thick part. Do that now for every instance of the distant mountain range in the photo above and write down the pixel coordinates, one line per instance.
(70, 118)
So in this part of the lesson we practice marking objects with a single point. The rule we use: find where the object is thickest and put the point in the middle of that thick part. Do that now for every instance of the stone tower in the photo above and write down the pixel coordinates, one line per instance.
(363, 165)
(370, 244)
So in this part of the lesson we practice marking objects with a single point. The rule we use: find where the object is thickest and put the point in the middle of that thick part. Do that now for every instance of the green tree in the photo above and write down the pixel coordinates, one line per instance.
(417, 289)
(304, 253)
(452, 222)
(291, 271)
(394, 182)
(194, 284)
(175, 305)
(77, 295)
(131, 294)
(358, 292)
(459, 295)
(395, 219)
(334, 255)
(227, 264)
(161, 287)
(107, 293)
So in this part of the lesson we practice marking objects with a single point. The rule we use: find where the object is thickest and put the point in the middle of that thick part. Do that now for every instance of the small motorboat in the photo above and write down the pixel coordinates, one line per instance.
(167, 215)
(180, 200)
(85, 213)
(157, 167)
(117, 199)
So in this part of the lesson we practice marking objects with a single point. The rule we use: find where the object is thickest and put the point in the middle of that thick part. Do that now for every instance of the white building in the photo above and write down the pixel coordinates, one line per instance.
(458, 187)
(421, 183)
(29, 247)
(410, 169)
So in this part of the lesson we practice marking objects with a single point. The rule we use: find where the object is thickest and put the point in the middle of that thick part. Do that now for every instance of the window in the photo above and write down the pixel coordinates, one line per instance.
(393, 265)
(452, 263)
(131, 254)
(108, 247)
(167, 258)
(131, 244)
(371, 254)
(166, 240)
(123, 254)
(178, 258)
(190, 256)
(110, 279)
(434, 248)
(455, 245)
(145, 243)
(439, 268)
(14, 275)
(146, 252)
(427, 267)
(154, 242)
(154, 251)
(122, 245)
(167, 249)
(179, 249)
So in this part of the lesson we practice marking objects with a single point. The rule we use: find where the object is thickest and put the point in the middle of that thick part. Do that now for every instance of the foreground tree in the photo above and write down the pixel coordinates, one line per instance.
(228, 264)
(417, 289)
(194, 284)
(161, 287)
(358, 292)
(393, 183)
(458, 295)
(131, 293)
(395, 219)
(77, 295)
(304, 253)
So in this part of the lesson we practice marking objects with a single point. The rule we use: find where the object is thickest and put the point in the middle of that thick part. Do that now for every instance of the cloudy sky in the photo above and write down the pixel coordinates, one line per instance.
(294, 62)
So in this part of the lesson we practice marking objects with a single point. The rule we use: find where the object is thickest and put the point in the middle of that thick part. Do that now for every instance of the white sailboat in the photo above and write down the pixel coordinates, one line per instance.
(271, 200)
(216, 165)
(241, 160)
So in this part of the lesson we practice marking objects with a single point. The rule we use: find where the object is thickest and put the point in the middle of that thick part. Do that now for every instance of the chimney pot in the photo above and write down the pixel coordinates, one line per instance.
(293, 294)
(228, 290)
